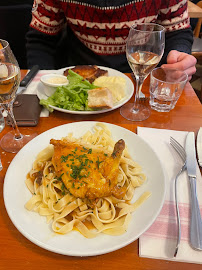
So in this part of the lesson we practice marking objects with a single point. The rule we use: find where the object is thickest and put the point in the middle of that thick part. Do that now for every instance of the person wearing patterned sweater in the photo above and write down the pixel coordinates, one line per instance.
(96, 32)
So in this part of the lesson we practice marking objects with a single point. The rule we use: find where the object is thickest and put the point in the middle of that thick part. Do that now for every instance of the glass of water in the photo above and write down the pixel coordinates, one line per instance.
(166, 86)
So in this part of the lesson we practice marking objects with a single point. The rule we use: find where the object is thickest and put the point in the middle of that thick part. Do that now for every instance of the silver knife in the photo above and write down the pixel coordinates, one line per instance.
(196, 222)
(199, 146)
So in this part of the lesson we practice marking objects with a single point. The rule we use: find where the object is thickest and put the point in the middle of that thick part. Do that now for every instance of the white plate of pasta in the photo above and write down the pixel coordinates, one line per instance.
(47, 208)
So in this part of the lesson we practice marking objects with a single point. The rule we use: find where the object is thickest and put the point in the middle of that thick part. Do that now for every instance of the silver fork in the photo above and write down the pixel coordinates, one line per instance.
(181, 152)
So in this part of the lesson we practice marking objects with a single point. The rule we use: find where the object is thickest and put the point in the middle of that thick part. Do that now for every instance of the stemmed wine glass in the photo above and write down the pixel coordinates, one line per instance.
(9, 81)
(144, 49)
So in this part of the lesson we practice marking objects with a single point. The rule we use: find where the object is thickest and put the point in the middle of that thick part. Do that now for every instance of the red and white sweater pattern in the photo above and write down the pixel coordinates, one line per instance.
(104, 29)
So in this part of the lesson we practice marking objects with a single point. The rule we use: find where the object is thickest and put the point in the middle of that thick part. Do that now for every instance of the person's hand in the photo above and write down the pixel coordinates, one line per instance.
(181, 61)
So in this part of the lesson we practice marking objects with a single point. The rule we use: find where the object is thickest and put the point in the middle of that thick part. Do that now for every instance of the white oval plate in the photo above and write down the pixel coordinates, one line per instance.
(111, 72)
(34, 227)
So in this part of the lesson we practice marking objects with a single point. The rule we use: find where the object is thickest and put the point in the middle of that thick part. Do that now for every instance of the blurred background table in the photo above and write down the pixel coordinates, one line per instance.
(194, 10)
(17, 252)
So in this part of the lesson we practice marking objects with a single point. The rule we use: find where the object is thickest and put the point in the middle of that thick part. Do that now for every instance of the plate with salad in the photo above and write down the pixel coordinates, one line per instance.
(85, 96)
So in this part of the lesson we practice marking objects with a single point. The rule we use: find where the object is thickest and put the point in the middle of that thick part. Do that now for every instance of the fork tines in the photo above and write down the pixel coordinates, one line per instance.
(178, 147)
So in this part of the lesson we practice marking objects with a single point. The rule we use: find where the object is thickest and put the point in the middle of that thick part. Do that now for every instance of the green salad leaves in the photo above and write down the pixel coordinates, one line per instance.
(73, 96)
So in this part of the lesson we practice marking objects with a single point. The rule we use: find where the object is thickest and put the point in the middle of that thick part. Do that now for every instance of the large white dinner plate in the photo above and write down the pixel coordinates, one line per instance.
(34, 227)
(111, 72)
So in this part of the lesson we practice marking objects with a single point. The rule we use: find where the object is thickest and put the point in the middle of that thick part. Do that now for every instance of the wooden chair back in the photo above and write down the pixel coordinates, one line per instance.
(198, 25)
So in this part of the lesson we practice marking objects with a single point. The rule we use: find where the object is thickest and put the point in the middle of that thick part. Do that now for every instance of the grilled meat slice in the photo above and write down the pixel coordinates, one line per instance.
(89, 73)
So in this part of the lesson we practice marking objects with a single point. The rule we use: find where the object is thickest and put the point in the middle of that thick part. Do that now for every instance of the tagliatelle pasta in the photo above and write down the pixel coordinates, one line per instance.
(51, 198)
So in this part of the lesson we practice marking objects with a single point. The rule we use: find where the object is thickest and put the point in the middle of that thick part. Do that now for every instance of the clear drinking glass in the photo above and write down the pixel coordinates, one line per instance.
(144, 49)
(166, 86)
(9, 81)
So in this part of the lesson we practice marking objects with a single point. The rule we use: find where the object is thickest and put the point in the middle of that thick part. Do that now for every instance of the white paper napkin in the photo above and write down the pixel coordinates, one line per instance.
(159, 240)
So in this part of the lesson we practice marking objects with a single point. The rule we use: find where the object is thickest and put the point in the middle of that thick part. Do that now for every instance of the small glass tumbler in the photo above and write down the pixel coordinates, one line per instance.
(166, 86)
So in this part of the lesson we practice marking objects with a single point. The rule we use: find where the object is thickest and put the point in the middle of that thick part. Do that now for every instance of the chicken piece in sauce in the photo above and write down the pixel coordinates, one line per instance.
(87, 173)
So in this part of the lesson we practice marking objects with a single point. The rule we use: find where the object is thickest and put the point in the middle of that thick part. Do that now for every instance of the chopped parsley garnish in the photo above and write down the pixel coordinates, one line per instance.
(60, 177)
(78, 163)
(63, 186)
(98, 162)
(64, 158)
(75, 150)
(86, 162)
(90, 151)
(76, 170)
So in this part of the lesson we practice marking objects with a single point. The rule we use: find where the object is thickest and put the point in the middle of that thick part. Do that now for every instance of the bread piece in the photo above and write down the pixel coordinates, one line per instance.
(89, 73)
(100, 98)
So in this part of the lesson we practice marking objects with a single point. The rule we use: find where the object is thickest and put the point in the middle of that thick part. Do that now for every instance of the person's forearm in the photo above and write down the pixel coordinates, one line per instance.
(178, 40)
(41, 49)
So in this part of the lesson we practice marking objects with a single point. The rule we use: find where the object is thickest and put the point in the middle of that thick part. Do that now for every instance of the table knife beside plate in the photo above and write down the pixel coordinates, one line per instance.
(27, 79)
(196, 222)
(199, 147)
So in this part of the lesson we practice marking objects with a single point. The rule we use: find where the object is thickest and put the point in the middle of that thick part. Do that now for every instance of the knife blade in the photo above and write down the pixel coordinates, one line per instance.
(199, 146)
(191, 154)
(29, 76)
(196, 221)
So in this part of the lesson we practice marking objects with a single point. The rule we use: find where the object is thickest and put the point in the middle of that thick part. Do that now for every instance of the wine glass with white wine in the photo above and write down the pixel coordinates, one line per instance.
(144, 49)
(9, 81)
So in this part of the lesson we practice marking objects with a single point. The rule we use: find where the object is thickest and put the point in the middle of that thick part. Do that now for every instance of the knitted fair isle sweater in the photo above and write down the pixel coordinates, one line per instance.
(96, 30)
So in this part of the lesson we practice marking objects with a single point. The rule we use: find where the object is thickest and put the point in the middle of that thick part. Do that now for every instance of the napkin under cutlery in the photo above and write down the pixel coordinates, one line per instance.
(159, 240)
